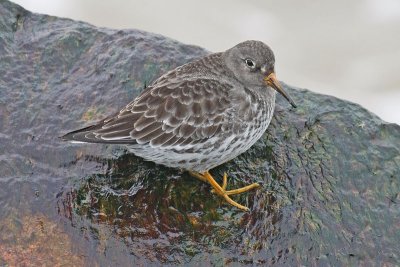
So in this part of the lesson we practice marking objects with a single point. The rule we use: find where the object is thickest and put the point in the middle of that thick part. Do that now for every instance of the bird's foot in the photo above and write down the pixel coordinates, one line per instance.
(221, 190)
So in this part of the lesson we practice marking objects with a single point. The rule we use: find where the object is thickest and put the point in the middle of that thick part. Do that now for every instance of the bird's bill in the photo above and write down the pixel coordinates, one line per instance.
(274, 83)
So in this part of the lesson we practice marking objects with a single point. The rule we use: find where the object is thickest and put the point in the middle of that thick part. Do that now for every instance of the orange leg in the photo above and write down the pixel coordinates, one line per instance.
(220, 190)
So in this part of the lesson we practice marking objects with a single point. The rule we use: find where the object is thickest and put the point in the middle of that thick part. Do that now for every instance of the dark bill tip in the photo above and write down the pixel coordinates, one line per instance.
(274, 83)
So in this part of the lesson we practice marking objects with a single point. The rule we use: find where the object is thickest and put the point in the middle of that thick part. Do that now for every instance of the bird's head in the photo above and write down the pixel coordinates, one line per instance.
(253, 63)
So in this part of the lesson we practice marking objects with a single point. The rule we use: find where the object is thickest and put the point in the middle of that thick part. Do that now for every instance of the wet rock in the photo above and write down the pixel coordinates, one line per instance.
(330, 170)
(36, 241)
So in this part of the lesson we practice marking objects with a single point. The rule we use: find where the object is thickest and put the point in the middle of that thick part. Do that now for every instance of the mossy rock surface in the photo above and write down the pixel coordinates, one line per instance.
(330, 170)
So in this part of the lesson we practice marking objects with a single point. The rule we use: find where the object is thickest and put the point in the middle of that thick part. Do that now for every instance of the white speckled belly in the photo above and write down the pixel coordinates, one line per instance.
(207, 155)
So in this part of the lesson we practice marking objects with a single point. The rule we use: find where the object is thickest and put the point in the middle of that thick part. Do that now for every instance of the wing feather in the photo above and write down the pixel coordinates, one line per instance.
(166, 114)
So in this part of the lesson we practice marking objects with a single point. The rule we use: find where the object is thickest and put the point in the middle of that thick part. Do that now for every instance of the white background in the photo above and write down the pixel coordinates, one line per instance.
(349, 49)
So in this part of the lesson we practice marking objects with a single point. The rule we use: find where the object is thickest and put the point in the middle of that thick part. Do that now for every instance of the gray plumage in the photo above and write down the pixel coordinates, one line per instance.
(198, 115)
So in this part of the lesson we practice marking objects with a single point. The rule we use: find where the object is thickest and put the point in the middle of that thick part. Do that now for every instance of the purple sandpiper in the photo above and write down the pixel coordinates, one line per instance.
(198, 115)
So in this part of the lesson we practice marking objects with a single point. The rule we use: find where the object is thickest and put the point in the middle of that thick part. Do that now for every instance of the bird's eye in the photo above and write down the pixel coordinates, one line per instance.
(250, 63)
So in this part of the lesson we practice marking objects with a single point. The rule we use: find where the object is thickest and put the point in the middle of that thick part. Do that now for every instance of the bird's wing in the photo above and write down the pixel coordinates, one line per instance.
(166, 114)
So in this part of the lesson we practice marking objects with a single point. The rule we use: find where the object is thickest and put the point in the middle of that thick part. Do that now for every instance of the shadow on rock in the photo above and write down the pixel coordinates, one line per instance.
(165, 214)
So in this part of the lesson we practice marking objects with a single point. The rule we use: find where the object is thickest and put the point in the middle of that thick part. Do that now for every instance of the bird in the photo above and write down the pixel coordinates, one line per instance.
(199, 115)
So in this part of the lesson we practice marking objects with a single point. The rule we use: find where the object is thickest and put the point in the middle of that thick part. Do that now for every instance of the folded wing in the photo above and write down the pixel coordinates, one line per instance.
(166, 114)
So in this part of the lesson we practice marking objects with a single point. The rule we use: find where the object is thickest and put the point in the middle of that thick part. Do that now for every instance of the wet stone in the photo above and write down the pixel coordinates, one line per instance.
(329, 170)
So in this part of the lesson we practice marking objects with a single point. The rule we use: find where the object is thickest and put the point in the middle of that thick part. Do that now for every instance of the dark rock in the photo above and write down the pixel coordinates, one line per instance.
(330, 169)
